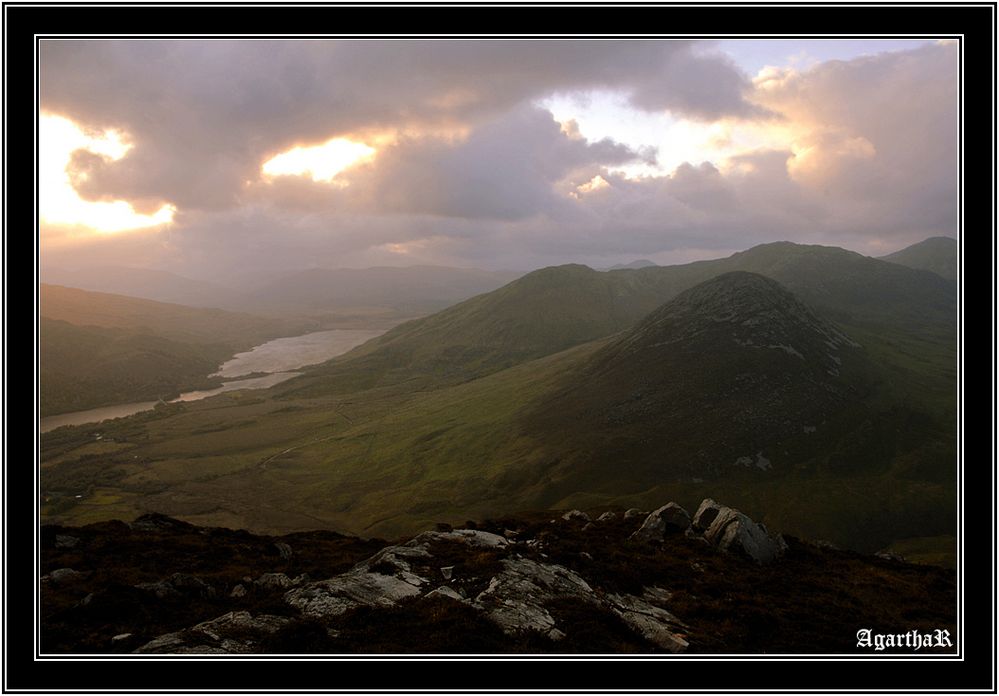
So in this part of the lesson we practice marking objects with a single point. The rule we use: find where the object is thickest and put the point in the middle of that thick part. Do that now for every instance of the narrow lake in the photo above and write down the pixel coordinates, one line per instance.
(278, 358)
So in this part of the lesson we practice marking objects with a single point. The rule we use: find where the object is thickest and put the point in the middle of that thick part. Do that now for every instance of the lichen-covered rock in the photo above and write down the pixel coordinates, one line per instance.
(235, 632)
(65, 541)
(381, 580)
(273, 581)
(444, 591)
(179, 585)
(515, 599)
(646, 615)
(576, 515)
(62, 576)
(607, 517)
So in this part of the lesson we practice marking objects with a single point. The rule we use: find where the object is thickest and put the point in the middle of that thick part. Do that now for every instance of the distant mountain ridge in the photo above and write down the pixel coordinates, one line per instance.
(936, 254)
(638, 263)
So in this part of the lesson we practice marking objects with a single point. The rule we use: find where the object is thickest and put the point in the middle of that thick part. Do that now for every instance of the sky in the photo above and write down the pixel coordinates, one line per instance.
(215, 158)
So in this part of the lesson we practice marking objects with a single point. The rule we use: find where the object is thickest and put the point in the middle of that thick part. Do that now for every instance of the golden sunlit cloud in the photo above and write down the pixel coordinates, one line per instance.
(321, 162)
(594, 184)
(58, 202)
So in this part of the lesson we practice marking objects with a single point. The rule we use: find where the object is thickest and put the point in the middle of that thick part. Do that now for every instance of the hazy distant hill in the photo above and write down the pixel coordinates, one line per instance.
(98, 349)
(936, 254)
(412, 289)
(87, 366)
(640, 263)
(174, 321)
(144, 283)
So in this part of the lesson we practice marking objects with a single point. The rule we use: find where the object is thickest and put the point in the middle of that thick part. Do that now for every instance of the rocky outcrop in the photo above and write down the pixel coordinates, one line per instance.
(516, 593)
(550, 587)
(646, 615)
(515, 599)
(232, 633)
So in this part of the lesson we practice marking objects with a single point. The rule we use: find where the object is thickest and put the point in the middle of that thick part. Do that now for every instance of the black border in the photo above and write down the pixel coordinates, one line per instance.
(975, 22)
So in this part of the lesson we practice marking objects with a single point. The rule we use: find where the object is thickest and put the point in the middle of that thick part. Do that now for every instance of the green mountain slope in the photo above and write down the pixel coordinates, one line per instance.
(87, 366)
(173, 321)
(542, 313)
(936, 254)
(98, 349)
(735, 372)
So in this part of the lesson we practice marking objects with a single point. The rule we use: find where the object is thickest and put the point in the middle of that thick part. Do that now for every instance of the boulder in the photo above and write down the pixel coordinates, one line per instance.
(179, 585)
(65, 541)
(731, 530)
(516, 597)
(705, 515)
(155, 522)
(632, 512)
(63, 576)
(237, 592)
(284, 550)
(577, 515)
(273, 581)
(889, 555)
(607, 517)
(669, 518)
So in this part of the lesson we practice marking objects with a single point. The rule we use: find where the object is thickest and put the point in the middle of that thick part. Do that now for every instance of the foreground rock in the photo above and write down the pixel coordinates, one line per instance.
(235, 632)
(517, 597)
(730, 530)
(670, 518)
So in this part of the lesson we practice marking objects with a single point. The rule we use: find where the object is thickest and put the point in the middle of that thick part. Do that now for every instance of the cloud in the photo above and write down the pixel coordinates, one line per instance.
(507, 169)
(876, 136)
(203, 115)
(469, 172)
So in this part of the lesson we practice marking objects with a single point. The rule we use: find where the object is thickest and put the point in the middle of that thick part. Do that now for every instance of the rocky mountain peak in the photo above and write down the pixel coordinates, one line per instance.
(750, 310)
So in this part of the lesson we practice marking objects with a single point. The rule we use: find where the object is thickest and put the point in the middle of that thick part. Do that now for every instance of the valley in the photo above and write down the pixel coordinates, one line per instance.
(827, 409)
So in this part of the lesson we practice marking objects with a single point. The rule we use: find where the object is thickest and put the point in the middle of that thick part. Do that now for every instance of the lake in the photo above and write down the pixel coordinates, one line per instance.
(278, 358)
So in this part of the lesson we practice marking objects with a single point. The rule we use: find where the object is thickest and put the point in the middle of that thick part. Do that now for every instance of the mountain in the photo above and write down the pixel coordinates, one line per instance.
(734, 374)
(639, 263)
(544, 312)
(145, 283)
(936, 254)
(85, 367)
(98, 349)
(176, 322)
(412, 289)
(553, 391)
